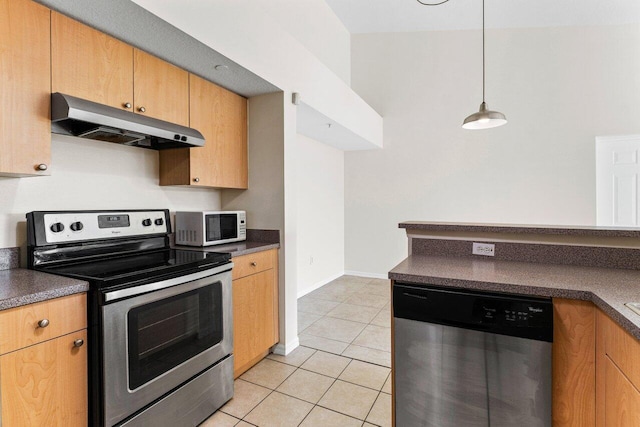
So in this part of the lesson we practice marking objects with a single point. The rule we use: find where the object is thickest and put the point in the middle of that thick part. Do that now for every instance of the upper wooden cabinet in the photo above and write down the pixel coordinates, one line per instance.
(25, 86)
(221, 116)
(161, 90)
(91, 65)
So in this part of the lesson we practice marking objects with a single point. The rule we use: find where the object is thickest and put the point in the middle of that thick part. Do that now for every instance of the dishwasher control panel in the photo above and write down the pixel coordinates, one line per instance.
(515, 315)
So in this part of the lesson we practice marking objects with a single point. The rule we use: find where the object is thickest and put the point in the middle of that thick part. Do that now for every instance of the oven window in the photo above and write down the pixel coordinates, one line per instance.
(222, 227)
(165, 333)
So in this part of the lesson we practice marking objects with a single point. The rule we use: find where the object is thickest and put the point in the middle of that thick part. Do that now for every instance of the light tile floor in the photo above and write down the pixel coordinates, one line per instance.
(339, 376)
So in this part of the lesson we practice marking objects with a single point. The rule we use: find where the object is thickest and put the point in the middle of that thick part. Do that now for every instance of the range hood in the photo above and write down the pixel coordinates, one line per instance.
(87, 119)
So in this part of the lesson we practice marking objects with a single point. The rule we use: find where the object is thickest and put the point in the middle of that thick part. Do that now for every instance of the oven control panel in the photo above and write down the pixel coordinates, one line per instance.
(62, 227)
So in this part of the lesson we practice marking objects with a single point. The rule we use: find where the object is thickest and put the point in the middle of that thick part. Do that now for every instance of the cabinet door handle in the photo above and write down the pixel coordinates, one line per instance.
(43, 323)
(127, 105)
(78, 343)
(142, 109)
(196, 179)
(253, 264)
(42, 167)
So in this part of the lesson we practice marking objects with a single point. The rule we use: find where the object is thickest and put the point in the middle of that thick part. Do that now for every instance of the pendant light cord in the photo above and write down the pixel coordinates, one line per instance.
(483, 71)
(432, 4)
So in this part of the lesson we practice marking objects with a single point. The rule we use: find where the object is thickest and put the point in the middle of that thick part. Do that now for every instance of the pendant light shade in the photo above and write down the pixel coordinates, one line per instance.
(484, 118)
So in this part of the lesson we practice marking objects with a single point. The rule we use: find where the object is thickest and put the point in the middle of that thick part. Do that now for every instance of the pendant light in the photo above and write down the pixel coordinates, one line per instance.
(485, 118)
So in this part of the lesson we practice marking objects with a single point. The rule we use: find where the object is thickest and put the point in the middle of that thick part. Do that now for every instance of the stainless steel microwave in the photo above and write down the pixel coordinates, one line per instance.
(205, 228)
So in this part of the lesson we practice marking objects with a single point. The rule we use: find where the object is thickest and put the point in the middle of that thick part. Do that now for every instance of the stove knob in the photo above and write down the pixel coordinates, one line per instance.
(57, 227)
(159, 221)
(76, 226)
(146, 222)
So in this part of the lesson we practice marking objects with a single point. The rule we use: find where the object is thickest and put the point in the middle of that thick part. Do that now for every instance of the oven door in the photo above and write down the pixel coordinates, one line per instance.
(157, 340)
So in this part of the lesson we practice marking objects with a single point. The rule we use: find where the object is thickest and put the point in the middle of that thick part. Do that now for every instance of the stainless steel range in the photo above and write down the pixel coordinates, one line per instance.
(161, 335)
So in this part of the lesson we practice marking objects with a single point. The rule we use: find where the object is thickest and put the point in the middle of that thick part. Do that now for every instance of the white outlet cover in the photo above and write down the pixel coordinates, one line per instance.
(485, 249)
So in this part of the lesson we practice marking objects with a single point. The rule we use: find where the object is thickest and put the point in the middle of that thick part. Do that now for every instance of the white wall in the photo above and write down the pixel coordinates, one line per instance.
(240, 30)
(313, 23)
(265, 200)
(559, 88)
(88, 174)
(320, 188)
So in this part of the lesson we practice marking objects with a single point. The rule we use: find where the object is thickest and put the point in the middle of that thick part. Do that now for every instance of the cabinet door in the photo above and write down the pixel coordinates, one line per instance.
(161, 90)
(221, 116)
(89, 64)
(622, 399)
(46, 384)
(574, 363)
(253, 319)
(25, 86)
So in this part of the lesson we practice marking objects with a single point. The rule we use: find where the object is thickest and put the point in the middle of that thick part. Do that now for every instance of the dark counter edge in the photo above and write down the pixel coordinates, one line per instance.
(522, 229)
(29, 286)
(257, 241)
(612, 312)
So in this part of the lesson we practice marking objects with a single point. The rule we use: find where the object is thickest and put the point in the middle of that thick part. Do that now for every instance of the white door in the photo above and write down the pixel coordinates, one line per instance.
(617, 174)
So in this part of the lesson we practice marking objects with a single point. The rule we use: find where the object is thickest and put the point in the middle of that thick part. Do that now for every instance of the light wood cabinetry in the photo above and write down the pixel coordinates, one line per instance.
(221, 116)
(255, 308)
(43, 52)
(618, 375)
(89, 64)
(161, 90)
(25, 86)
(574, 364)
(43, 375)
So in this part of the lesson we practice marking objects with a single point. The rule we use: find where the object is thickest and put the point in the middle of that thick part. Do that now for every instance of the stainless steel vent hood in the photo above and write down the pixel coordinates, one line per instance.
(86, 119)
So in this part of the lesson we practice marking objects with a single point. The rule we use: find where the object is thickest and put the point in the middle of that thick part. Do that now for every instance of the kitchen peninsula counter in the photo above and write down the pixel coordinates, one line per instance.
(608, 288)
(596, 264)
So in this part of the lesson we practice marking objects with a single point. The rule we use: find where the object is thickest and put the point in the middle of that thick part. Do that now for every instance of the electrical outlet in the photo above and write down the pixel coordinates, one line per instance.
(486, 249)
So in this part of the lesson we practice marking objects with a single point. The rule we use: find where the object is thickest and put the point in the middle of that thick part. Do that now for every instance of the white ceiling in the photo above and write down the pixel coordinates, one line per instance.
(376, 16)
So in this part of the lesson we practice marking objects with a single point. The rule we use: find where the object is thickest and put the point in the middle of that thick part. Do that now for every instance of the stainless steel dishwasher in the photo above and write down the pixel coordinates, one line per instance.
(465, 358)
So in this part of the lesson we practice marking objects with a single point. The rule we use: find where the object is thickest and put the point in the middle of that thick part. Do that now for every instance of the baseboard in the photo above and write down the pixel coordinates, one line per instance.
(284, 349)
(365, 274)
(318, 285)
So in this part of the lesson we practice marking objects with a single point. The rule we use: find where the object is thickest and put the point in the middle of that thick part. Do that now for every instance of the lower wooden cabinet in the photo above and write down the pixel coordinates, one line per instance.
(255, 308)
(46, 384)
(43, 363)
(621, 400)
(574, 363)
(618, 375)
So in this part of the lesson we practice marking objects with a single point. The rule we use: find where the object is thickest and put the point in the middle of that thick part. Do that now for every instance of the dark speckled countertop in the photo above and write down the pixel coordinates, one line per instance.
(20, 286)
(236, 249)
(257, 241)
(608, 288)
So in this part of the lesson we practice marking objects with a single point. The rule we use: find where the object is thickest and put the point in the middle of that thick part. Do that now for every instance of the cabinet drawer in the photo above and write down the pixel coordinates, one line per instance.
(623, 349)
(246, 265)
(19, 326)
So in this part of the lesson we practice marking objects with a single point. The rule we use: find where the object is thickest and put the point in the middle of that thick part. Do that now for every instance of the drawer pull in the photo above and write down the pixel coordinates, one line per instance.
(43, 323)
(253, 264)
(78, 343)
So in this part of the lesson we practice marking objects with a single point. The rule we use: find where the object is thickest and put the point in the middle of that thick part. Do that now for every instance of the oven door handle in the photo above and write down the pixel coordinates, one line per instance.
(155, 286)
